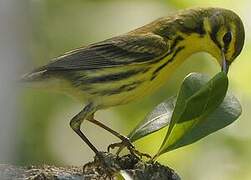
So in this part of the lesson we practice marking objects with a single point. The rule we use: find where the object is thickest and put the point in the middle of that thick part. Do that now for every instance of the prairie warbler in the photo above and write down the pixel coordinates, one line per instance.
(124, 68)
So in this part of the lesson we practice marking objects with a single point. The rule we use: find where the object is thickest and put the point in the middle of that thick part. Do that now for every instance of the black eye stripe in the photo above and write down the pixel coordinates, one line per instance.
(227, 38)
(213, 35)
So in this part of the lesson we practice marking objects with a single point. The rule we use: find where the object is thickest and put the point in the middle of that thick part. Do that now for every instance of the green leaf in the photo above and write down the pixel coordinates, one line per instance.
(196, 101)
(225, 114)
(198, 111)
(160, 117)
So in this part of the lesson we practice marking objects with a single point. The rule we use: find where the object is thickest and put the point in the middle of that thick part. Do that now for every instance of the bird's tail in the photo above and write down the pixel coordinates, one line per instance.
(42, 78)
(39, 78)
(34, 76)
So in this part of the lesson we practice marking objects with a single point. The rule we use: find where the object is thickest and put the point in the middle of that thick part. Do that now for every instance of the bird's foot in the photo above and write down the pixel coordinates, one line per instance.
(121, 145)
(127, 143)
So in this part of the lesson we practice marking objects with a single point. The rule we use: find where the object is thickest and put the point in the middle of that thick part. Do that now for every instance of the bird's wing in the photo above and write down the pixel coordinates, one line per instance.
(117, 51)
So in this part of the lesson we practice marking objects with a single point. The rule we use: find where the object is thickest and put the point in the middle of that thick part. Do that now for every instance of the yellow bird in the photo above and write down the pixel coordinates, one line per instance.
(130, 66)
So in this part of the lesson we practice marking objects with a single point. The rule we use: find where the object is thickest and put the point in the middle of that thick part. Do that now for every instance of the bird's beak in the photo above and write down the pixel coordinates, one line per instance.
(224, 63)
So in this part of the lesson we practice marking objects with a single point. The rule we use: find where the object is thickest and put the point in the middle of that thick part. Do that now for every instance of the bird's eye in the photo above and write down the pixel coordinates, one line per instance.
(227, 37)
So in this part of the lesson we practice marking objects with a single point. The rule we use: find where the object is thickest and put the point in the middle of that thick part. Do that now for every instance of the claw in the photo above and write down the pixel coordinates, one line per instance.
(126, 143)
(121, 145)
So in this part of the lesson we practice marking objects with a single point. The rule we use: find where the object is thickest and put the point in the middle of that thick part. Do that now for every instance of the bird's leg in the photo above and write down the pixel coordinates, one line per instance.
(76, 122)
(125, 141)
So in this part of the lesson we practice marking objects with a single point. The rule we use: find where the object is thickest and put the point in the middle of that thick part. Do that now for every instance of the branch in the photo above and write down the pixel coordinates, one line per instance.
(111, 167)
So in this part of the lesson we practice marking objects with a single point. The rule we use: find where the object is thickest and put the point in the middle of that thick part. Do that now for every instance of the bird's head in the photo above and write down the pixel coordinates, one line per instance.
(226, 32)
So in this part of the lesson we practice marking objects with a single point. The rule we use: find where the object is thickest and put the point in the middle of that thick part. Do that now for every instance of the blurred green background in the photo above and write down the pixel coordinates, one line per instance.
(42, 132)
